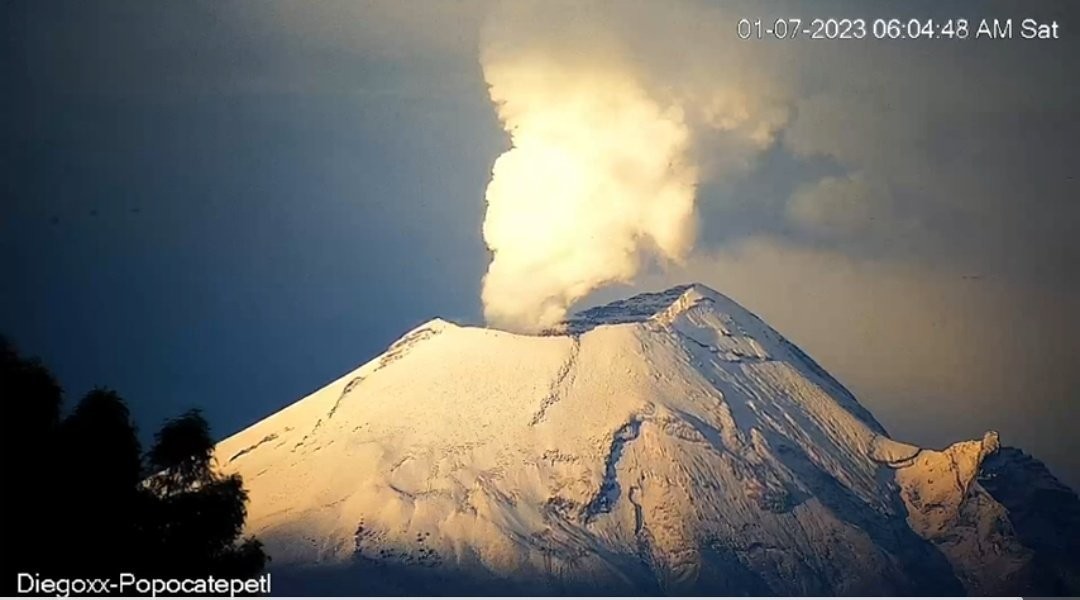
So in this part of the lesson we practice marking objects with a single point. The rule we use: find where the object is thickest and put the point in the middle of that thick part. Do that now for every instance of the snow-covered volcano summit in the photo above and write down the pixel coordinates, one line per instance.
(667, 443)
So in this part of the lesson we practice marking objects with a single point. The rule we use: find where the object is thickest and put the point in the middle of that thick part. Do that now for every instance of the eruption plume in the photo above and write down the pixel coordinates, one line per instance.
(596, 181)
(601, 174)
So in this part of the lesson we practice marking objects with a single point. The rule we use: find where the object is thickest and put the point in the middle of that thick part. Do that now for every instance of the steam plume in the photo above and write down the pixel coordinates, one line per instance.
(601, 176)
(596, 181)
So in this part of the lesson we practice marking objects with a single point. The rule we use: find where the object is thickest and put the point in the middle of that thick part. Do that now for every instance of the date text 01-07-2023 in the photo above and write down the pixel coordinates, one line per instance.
(897, 29)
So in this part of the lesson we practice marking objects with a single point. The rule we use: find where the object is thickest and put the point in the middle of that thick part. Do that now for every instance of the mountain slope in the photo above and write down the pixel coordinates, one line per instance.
(668, 443)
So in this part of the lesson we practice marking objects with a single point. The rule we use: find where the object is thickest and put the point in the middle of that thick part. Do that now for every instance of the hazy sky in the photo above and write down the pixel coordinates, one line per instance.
(228, 204)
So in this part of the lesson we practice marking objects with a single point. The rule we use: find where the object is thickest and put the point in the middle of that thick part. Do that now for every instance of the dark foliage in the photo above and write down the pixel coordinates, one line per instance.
(181, 454)
(81, 500)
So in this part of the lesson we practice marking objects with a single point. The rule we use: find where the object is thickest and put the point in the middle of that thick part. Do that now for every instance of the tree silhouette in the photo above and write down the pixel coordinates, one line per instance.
(29, 417)
(199, 513)
(97, 477)
(81, 500)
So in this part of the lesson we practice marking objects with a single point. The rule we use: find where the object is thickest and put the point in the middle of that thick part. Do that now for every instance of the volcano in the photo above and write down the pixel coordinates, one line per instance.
(669, 443)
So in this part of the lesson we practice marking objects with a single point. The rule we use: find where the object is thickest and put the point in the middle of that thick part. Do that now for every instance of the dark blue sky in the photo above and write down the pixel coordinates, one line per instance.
(174, 231)
(228, 204)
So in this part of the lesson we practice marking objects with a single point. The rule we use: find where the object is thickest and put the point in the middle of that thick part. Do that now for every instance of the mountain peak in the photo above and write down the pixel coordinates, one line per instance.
(644, 307)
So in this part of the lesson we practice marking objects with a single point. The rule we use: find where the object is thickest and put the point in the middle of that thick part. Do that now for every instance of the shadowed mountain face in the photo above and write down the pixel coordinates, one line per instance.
(1044, 513)
(670, 443)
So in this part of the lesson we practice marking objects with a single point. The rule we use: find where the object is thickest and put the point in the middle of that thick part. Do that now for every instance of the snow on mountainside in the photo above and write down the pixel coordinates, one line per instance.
(667, 443)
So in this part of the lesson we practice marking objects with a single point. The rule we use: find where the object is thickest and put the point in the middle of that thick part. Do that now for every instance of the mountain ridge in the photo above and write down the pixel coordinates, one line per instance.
(671, 442)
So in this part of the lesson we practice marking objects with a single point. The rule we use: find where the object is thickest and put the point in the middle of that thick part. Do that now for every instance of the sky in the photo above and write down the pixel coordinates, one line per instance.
(227, 205)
